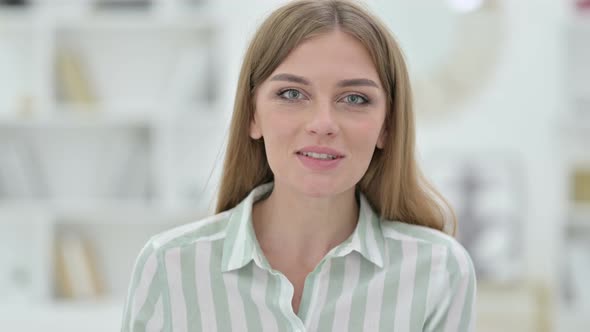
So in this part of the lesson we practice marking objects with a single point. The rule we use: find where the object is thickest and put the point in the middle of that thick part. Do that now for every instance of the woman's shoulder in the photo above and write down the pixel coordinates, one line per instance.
(439, 245)
(207, 228)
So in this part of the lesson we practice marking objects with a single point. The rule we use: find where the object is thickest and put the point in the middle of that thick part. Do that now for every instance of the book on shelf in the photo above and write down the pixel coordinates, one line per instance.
(580, 182)
(77, 274)
(72, 79)
(122, 4)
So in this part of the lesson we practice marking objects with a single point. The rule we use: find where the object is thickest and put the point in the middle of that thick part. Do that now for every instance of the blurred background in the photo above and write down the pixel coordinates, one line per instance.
(113, 116)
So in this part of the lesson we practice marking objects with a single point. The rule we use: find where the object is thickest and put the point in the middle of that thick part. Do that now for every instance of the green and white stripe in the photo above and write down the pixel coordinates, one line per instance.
(211, 275)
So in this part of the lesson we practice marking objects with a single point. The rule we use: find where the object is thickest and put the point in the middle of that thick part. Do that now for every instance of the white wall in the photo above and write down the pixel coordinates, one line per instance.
(517, 113)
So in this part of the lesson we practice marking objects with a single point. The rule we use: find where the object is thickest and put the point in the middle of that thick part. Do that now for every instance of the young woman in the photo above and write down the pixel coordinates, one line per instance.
(324, 221)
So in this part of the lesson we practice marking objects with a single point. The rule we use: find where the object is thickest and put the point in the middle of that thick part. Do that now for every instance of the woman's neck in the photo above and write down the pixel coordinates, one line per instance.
(303, 229)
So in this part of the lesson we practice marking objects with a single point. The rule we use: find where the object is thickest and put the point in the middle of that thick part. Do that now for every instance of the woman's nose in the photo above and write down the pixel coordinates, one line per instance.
(322, 121)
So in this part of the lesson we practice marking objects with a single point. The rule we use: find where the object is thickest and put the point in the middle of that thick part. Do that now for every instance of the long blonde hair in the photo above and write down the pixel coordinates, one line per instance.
(393, 183)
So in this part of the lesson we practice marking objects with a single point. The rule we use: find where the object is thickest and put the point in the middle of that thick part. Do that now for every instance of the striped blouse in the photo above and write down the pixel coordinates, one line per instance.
(211, 275)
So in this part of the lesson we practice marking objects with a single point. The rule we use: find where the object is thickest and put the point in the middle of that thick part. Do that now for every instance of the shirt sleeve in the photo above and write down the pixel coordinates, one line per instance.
(454, 311)
(143, 309)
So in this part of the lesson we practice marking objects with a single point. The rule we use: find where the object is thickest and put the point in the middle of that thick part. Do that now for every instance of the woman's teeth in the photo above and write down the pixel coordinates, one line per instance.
(322, 156)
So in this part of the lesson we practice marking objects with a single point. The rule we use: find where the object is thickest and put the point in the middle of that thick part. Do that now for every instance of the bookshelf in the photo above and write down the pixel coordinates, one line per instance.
(574, 127)
(110, 131)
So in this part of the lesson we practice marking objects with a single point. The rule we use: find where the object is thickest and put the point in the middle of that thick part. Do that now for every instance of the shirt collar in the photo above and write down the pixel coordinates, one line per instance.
(241, 246)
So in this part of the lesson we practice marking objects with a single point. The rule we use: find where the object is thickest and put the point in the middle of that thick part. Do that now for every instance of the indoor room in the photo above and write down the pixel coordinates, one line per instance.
(115, 118)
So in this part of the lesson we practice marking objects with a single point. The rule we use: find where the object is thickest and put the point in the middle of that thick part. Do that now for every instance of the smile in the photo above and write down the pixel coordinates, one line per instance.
(320, 156)
(319, 161)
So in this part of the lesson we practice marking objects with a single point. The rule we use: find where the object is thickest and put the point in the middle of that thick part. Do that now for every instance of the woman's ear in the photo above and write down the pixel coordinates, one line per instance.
(255, 132)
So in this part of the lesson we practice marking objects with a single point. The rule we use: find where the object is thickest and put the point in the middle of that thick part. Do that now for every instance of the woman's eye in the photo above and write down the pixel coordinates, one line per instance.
(290, 94)
(355, 100)
(293, 95)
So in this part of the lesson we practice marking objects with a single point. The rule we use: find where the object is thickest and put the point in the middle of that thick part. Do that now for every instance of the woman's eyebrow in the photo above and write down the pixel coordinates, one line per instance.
(357, 82)
(344, 83)
(290, 78)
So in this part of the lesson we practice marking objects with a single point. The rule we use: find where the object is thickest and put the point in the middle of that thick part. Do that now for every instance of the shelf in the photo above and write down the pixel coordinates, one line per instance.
(108, 116)
(89, 212)
(88, 316)
(130, 164)
(78, 120)
(214, 119)
(106, 302)
(138, 21)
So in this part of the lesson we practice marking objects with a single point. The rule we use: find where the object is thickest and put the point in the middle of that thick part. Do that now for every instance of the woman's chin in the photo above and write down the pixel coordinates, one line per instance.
(319, 188)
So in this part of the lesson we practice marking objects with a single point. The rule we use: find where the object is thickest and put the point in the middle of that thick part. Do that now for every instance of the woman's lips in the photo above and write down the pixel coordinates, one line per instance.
(319, 164)
(321, 149)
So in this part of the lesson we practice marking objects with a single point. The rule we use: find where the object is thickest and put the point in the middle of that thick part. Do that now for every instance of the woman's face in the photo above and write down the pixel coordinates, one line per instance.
(321, 114)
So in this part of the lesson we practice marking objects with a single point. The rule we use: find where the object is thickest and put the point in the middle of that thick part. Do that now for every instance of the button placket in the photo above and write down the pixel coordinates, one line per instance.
(285, 302)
